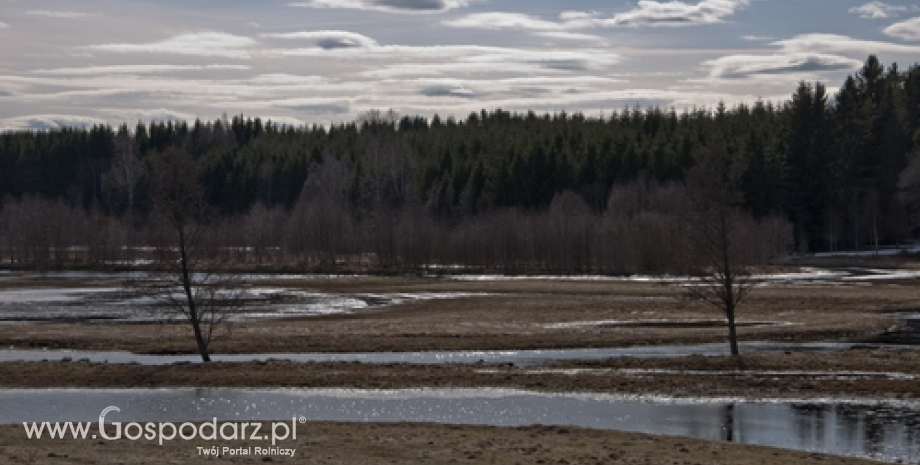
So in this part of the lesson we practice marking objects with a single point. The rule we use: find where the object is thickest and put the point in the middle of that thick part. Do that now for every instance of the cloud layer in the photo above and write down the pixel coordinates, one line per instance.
(59, 14)
(329, 40)
(322, 61)
(675, 13)
(392, 6)
(905, 30)
(647, 13)
(742, 66)
(876, 10)
(199, 43)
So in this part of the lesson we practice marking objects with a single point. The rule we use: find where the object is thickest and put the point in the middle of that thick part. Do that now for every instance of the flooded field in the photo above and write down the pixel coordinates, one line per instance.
(514, 357)
(483, 341)
(879, 430)
(113, 305)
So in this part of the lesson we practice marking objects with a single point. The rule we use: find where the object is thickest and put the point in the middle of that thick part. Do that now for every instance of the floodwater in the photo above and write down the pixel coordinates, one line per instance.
(804, 276)
(516, 357)
(112, 305)
(102, 300)
(883, 431)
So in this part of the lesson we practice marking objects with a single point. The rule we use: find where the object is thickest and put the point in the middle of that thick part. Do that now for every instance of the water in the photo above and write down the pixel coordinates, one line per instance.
(516, 357)
(883, 431)
(113, 305)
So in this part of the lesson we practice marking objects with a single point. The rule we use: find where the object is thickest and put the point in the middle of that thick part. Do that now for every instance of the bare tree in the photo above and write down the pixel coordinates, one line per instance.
(40, 231)
(714, 222)
(322, 215)
(190, 279)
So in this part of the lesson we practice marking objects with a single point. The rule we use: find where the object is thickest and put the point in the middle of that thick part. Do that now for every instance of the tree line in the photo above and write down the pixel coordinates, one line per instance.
(514, 192)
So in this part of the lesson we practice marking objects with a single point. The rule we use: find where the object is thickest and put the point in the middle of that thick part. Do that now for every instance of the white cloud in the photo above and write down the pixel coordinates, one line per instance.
(59, 14)
(449, 69)
(754, 38)
(838, 44)
(47, 122)
(457, 53)
(136, 69)
(501, 20)
(742, 66)
(562, 60)
(905, 30)
(876, 10)
(574, 16)
(329, 40)
(647, 13)
(197, 43)
(132, 115)
(402, 61)
(393, 6)
(287, 80)
(676, 13)
(562, 35)
(3, 25)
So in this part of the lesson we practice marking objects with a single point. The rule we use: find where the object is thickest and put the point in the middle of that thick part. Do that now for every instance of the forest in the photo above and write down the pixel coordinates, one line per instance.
(500, 191)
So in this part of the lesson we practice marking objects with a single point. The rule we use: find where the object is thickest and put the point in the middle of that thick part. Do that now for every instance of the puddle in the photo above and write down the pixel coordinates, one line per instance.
(660, 323)
(112, 305)
(883, 431)
(516, 357)
(805, 276)
(648, 373)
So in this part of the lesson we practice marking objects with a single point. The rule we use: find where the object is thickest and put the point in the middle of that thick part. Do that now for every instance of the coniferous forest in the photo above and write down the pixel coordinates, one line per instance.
(500, 191)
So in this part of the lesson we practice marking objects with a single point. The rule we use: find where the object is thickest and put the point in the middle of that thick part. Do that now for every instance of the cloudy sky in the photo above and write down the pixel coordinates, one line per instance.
(321, 61)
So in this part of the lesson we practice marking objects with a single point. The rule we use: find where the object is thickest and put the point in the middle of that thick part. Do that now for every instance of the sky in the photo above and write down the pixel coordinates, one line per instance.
(69, 63)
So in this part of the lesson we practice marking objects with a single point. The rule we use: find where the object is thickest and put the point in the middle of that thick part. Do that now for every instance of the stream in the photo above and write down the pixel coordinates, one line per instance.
(516, 357)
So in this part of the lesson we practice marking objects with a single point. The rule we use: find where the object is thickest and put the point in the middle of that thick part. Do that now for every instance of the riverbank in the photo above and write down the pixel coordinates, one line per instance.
(858, 373)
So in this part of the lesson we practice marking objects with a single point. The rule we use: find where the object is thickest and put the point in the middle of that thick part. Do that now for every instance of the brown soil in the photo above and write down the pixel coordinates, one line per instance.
(373, 444)
(516, 315)
(760, 376)
(520, 314)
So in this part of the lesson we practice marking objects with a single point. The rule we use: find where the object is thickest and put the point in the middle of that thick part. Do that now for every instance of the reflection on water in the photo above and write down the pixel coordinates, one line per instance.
(858, 430)
(728, 426)
(881, 431)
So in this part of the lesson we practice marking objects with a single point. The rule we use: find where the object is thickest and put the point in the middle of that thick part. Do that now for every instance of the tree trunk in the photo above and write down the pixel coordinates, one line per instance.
(193, 316)
(199, 339)
(732, 333)
(728, 283)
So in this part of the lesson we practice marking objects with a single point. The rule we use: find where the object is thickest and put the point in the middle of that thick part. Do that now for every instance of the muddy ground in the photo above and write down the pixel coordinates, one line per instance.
(375, 444)
(514, 315)
(858, 373)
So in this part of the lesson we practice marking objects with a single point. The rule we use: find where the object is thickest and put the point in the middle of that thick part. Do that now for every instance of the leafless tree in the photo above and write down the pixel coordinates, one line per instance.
(321, 219)
(39, 231)
(262, 230)
(569, 223)
(191, 280)
(714, 224)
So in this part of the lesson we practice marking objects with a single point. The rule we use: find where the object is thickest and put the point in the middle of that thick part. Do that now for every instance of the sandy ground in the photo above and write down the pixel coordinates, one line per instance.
(520, 314)
(375, 444)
